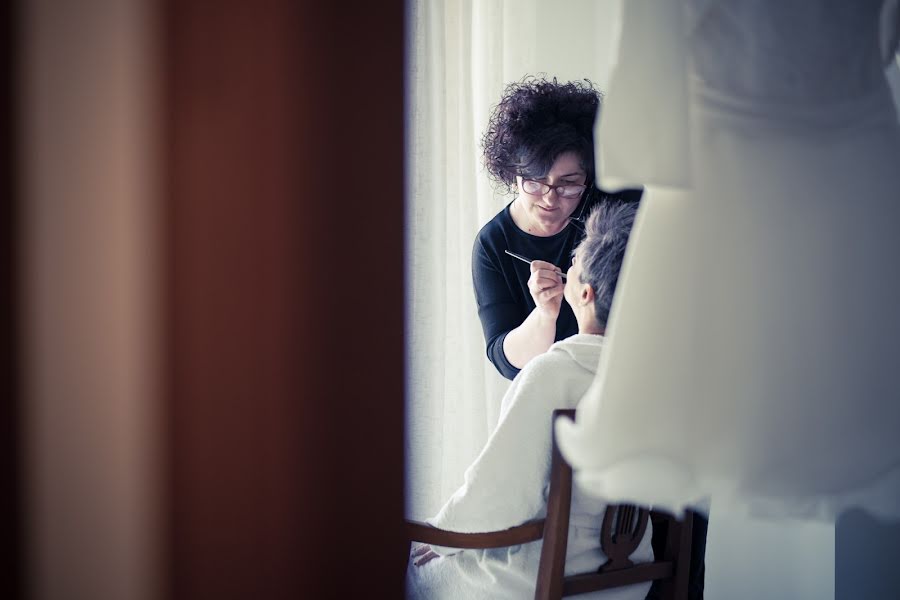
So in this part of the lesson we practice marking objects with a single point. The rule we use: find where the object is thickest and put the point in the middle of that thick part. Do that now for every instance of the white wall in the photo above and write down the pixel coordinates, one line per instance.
(750, 559)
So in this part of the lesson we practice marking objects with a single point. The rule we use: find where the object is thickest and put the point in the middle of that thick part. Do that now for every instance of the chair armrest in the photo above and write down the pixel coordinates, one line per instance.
(521, 534)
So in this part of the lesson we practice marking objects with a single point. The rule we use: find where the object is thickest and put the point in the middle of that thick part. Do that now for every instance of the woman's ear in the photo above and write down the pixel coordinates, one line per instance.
(587, 294)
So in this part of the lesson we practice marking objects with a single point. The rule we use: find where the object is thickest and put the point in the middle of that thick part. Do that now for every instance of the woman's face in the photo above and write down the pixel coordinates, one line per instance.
(548, 214)
(573, 279)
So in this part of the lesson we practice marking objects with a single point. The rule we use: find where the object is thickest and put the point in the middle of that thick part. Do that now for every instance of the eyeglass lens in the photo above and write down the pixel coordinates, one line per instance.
(566, 191)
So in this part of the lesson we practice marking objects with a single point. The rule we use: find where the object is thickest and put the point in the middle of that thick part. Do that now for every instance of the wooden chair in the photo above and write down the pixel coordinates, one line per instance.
(622, 529)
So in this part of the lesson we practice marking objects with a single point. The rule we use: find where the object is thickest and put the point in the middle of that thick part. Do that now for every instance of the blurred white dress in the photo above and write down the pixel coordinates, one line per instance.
(754, 345)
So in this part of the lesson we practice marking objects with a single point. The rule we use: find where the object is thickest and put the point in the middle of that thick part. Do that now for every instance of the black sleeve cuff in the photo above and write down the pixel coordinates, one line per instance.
(498, 358)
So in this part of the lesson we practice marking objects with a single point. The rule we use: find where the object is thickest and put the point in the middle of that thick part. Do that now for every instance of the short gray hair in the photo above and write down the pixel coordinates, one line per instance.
(603, 250)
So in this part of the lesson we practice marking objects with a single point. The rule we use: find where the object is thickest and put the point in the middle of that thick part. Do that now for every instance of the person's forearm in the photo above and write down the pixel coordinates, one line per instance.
(533, 337)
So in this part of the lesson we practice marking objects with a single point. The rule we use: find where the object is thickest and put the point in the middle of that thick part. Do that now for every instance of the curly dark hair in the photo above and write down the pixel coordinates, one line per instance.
(535, 121)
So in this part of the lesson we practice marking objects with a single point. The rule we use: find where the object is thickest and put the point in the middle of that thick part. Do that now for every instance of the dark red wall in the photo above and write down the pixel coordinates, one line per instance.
(284, 295)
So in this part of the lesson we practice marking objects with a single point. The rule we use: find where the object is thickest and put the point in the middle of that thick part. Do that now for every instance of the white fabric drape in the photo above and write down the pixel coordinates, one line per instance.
(757, 395)
(461, 54)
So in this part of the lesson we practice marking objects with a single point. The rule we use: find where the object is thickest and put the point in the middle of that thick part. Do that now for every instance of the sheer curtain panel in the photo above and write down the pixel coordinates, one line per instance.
(460, 56)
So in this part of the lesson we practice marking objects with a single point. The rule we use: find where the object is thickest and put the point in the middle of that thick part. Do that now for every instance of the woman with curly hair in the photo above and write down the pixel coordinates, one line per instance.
(539, 144)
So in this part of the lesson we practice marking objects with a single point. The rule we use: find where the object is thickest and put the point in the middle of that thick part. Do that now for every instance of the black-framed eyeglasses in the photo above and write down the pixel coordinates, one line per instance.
(566, 190)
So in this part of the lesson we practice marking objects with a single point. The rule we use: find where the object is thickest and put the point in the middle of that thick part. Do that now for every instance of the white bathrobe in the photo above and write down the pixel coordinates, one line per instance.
(508, 484)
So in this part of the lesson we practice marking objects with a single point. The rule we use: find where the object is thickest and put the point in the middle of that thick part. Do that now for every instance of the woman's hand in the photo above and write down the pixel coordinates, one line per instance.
(423, 554)
(546, 287)
(537, 332)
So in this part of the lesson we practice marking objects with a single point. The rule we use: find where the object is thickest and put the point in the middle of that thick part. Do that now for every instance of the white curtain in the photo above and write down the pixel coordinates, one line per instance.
(460, 56)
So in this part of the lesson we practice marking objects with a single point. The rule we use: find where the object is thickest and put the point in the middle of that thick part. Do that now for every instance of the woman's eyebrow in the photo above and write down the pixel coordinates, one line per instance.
(576, 173)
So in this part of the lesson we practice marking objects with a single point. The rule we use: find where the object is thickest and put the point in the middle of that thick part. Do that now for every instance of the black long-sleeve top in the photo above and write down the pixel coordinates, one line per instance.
(501, 282)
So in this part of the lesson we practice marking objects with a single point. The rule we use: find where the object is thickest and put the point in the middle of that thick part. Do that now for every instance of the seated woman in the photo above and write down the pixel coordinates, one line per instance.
(508, 483)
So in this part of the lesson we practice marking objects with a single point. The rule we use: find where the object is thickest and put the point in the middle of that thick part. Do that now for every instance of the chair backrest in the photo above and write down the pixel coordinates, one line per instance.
(622, 529)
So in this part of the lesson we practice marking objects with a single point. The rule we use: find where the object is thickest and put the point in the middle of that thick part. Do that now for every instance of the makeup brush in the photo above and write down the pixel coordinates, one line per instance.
(528, 260)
